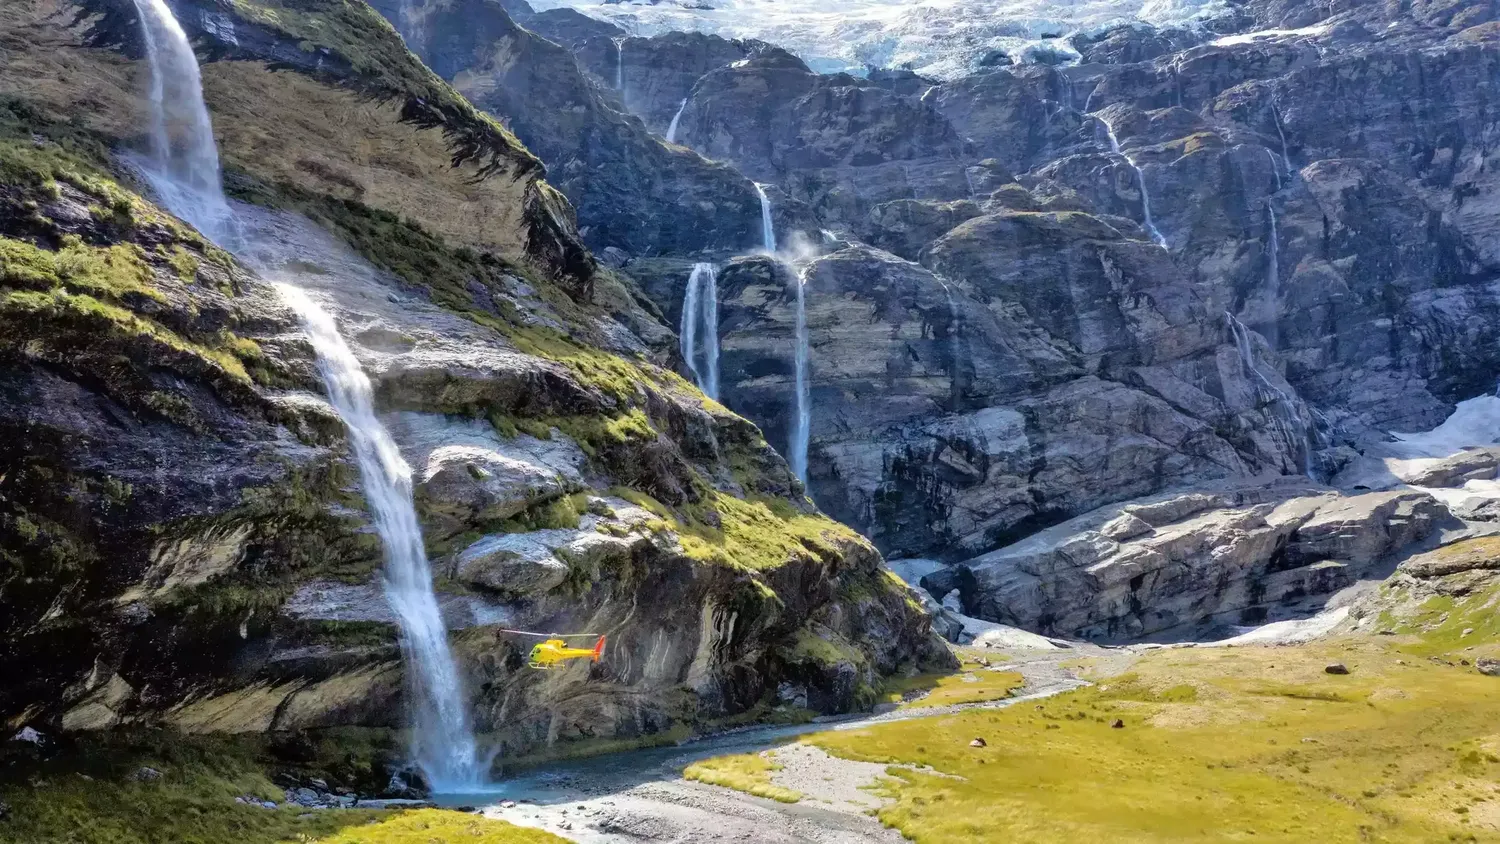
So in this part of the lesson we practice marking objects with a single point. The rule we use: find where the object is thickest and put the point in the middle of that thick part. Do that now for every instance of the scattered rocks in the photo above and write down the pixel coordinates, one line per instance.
(978, 742)
(1117, 724)
(1336, 668)
(146, 775)
(1488, 667)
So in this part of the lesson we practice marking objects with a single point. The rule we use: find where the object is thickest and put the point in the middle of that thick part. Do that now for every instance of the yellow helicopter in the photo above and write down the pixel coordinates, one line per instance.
(550, 653)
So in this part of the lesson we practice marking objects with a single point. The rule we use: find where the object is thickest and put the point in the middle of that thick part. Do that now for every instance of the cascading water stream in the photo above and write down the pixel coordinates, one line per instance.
(676, 118)
(1273, 279)
(1290, 421)
(620, 66)
(184, 173)
(767, 227)
(1286, 158)
(444, 743)
(1140, 178)
(955, 340)
(700, 305)
(802, 425)
(183, 168)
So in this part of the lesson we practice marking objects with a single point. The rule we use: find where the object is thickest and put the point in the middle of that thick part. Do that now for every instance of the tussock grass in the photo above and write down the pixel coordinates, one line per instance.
(973, 683)
(1266, 747)
(426, 826)
(747, 772)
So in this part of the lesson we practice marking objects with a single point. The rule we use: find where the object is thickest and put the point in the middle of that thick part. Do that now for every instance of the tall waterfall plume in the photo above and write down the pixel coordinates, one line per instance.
(184, 173)
(183, 168)
(676, 118)
(802, 424)
(767, 227)
(1140, 179)
(443, 742)
(700, 307)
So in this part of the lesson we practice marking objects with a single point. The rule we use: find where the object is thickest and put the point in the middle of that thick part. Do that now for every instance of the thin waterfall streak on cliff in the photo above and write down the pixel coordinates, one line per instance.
(688, 333)
(802, 425)
(443, 739)
(955, 341)
(1275, 169)
(767, 227)
(1291, 422)
(1273, 279)
(711, 329)
(1090, 98)
(620, 67)
(672, 128)
(969, 177)
(1286, 159)
(183, 167)
(1140, 179)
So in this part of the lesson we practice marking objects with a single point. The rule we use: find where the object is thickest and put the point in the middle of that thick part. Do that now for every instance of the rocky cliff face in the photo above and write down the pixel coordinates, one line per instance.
(1041, 287)
(1064, 320)
(632, 192)
(182, 525)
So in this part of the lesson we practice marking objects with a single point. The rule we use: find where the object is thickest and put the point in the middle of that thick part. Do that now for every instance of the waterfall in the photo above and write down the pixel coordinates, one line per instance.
(711, 328)
(969, 177)
(767, 228)
(802, 425)
(184, 173)
(1273, 278)
(1290, 421)
(672, 129)
(620, 67)
(955, 339)
(700, 303)
(1286, 159)
(183, 169)
(1275, 170)
(443, 739)
(1140, 178)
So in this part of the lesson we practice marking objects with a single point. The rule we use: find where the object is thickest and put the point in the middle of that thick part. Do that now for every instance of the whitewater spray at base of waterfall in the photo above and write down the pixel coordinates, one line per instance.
(443, 740)
(184, 173)
(802, 425)
(676, 118)
(1140, 179)
(183, 167)
(700, 305)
